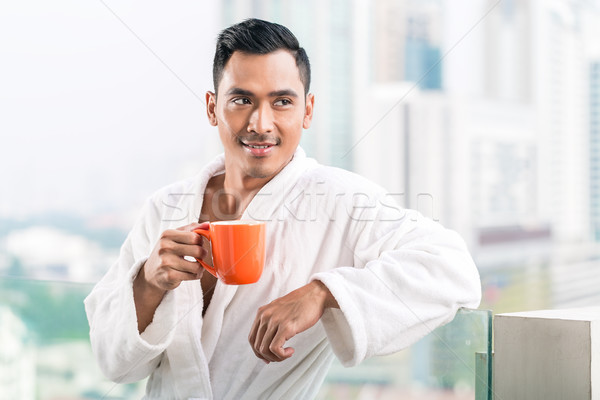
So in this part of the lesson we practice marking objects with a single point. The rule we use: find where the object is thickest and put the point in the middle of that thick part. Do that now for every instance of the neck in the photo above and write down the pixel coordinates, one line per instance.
(231, 194)
(238, 189)
(242, 186)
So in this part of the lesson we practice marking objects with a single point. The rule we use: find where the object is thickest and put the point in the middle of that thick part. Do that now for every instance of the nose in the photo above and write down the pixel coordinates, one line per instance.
(261, 119)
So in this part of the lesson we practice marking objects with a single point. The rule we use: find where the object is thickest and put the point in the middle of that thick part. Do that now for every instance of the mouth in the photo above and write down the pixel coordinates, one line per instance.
(258, 149)
(258, 146)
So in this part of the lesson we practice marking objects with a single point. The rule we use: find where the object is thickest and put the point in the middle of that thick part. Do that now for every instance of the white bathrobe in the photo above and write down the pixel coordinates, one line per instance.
(395, 274)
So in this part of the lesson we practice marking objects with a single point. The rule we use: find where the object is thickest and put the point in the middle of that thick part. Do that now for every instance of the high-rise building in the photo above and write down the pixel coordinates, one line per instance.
(594, 107)
(527, 55)
(560, 96)
(513, 92)
(472, 164)
(507, 50)
(400, 59)
(387, 28)
(422, 51)
(17, 369)
(406, 42)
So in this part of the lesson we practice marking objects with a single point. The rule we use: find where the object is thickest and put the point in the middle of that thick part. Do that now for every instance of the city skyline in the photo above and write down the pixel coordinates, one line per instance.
(483, 115)
(112, 167)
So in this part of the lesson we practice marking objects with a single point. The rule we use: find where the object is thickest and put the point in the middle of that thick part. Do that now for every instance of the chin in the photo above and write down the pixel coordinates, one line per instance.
(265, 168)
(259, 173)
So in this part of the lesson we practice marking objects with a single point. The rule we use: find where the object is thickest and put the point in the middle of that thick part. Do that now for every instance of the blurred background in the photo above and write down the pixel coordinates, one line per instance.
(481, 114)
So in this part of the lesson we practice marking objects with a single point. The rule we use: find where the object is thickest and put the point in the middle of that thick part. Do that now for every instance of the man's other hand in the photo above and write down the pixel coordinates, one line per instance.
(282, 319)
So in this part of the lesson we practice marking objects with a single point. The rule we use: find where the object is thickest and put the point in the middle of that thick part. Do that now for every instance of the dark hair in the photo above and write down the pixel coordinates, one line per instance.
(255, 36)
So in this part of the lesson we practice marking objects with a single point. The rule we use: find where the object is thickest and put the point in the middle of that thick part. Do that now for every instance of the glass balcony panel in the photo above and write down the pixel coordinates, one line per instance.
(49, 356)
(46, 354)
(441, 366)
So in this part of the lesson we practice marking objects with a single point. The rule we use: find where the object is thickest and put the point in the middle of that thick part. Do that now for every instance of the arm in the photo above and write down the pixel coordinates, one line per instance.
(125, 355)
(411, 275)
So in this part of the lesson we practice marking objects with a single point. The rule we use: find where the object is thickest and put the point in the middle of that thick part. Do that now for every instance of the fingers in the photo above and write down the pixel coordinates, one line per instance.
(194, 225)
(271, 346)
(172, 259)
(268, 336)
(182, 244)
(278, 321)
(173, 277)
(182, 250)
(256, 337)
(173, 268)
(276, 345)
(181, 236)
(172, 253)
(190, 268)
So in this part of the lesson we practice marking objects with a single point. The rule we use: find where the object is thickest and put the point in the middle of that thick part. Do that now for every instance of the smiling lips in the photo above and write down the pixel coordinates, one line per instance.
(258, 146)
(258, 149)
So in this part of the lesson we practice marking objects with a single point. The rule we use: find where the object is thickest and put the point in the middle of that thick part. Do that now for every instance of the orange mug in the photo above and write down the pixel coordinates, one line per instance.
(238, 250)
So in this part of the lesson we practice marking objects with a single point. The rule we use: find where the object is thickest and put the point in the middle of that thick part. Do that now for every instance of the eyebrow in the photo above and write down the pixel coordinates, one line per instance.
(275, 93)
(283, 92)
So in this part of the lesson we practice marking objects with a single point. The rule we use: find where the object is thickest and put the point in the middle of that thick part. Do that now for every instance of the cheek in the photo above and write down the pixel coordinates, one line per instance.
(233, 122)
(292, 124)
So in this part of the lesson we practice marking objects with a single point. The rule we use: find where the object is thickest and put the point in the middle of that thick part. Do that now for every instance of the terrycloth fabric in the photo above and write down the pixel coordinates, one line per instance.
(395, 274)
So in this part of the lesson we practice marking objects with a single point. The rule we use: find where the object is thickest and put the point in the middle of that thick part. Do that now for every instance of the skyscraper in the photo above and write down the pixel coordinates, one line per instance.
(406, 42)
(422, 51)
(594, 107)
(560, 96)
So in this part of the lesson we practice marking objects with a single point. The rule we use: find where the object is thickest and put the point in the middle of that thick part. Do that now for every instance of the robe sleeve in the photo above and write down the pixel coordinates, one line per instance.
(123, 354)
(410, 275)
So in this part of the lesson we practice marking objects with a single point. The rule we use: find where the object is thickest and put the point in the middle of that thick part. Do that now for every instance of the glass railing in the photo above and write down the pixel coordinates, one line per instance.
(453, 362)
(45, 354)
(45, 351)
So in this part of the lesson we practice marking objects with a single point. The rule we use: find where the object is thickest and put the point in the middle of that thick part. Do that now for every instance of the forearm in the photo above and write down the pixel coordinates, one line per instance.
(323, 294)
(122, 353)
(147, 299)
(417, 283)
(120, 307)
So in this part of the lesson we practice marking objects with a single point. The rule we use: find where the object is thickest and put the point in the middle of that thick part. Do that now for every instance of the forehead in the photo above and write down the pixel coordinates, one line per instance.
(258, 72)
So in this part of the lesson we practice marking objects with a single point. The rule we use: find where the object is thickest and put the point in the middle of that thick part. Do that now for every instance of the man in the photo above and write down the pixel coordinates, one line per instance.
(348, 273)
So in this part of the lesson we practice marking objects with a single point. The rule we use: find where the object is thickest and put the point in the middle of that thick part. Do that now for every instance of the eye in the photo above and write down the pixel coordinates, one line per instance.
(282, 102)
(241, 101)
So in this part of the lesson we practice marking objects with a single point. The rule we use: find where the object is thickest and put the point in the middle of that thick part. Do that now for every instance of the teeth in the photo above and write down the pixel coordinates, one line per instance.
(257, 147)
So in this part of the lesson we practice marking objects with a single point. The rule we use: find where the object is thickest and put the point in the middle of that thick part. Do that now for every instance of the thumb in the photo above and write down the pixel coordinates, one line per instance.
(288, 351)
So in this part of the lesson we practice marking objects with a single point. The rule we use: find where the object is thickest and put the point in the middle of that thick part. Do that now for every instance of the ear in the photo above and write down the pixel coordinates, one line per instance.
(308, 111)
(211, 105)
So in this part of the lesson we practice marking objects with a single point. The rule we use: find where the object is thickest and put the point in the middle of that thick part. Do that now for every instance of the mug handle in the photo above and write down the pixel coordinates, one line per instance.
(206, 234)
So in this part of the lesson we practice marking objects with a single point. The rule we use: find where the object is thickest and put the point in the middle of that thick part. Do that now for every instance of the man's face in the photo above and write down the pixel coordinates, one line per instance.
(260, 112)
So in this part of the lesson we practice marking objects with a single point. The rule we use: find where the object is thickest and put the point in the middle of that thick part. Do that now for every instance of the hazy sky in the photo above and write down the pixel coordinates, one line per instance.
(102, 102)
(90, 118)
